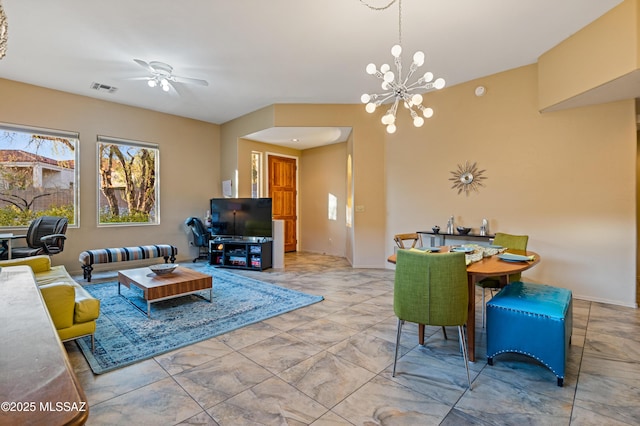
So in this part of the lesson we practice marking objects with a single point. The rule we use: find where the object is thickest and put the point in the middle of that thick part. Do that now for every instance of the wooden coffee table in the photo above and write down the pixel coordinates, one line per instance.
(181, 282)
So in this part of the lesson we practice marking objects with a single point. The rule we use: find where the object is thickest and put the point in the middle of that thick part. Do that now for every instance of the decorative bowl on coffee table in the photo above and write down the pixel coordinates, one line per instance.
(163, 268)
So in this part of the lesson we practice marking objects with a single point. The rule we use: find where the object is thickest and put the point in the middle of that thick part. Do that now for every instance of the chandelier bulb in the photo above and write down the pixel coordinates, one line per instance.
(416, 99)
(152, 83)
(418, 58)
(371, 69)
(165, 87)
(365, 98)
(428, 76)
(391, 128)
(418, 121)
(389, 76)
(388, 118)
(396, 51)
(427, 112)
(384, 68)
(385, 85)
(370, 108)
(439, 83)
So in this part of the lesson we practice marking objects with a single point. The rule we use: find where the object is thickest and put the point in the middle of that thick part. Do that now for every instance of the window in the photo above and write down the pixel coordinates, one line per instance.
(38, 175)
(256, 174)
(129, 189)
(333, 207)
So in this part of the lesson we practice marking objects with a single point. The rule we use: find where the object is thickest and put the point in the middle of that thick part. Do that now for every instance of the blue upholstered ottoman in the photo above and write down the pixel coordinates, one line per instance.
(534, 320)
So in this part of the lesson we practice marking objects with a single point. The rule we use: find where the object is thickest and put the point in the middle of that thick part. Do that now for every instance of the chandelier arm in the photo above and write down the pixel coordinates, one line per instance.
(418, 85)
(412, 69)
(407, 100)
(381, 101)
(398, 62)
(375, 96)
(406, 80)
(395, 107)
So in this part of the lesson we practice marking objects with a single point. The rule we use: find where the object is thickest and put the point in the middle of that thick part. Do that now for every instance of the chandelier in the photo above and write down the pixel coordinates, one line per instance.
(398, 88)
(4, 30)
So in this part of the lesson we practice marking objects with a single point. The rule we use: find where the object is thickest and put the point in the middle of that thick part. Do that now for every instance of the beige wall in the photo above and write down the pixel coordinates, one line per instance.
(566, 179)
(365, 244)
(230, 134)
(602, 53)
(189, 163)
(366, 240)
(323, 170)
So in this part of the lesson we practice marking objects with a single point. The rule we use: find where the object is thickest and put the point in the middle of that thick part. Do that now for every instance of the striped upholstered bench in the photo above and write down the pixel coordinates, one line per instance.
(122, 254)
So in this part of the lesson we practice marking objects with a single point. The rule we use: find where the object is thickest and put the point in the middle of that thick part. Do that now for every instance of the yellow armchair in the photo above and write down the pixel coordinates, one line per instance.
(72, 309)
(60, 299)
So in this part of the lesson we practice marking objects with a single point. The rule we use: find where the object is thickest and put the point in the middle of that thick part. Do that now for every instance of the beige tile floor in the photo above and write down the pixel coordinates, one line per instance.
(330, 364)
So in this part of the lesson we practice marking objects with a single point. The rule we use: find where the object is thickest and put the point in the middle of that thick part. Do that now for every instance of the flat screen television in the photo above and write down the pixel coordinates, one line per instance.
(241, 217)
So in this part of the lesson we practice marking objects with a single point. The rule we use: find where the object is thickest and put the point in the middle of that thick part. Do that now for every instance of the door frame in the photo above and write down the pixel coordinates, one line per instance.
(268, 183)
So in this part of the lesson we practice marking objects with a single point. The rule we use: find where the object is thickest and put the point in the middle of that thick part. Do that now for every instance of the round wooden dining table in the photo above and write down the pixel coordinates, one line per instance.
(491, 266)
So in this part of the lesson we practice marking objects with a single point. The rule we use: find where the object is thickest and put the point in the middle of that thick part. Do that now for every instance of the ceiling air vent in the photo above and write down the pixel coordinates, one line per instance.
(103, 87)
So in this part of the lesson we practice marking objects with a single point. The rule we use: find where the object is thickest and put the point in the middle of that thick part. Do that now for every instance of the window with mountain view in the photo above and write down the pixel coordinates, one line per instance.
(38, 175)
(129, 183)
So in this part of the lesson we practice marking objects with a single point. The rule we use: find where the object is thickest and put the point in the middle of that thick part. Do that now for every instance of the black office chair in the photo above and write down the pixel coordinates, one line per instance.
(46, 235)
(201, 237)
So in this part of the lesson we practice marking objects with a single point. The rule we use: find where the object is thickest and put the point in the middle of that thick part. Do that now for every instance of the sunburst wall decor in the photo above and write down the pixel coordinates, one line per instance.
(467, 178)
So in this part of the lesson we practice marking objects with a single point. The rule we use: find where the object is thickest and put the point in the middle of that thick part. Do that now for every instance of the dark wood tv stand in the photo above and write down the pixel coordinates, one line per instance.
(252, 253)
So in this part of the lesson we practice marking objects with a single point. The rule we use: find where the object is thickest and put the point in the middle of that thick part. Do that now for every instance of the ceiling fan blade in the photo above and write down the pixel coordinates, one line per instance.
(188, 80)
(145, 65)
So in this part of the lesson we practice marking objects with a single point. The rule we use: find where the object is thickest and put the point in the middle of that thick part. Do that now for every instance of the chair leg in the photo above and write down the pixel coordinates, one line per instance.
(395, 358)
(421, 334)
(444, 331)
(93, 343)
(465, 351)
(483, 305)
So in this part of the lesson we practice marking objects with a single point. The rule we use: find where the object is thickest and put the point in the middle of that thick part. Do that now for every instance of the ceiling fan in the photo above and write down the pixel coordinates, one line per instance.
(162, 75)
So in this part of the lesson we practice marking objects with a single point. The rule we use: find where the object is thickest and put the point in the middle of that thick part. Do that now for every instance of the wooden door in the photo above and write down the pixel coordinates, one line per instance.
(282, 191)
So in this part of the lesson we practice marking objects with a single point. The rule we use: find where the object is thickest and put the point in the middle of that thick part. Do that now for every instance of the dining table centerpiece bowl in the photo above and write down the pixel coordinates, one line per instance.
(163, 268)
(462, 230)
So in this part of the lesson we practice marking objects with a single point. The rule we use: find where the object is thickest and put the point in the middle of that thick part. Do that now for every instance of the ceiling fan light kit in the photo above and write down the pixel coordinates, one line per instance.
(162, 75)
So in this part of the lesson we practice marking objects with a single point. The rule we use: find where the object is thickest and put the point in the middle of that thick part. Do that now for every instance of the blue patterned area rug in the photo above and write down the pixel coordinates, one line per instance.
(124, 335)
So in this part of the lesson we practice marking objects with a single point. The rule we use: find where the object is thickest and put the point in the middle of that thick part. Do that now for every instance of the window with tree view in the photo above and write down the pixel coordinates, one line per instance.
(129, 185)
(38, 175)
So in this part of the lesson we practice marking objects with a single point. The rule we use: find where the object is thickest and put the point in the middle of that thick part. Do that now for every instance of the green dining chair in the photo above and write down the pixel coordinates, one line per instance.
(431, 289)
(516, 242)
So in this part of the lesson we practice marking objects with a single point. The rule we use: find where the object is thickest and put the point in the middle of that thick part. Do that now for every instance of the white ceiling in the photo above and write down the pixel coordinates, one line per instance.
(256, 53)
(301, 137)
